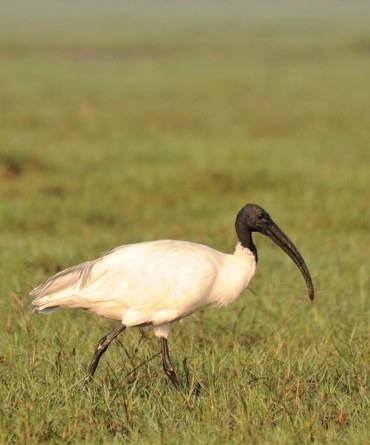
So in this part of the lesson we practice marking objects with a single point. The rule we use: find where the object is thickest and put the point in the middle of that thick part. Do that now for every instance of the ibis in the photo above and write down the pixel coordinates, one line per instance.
(156, 283)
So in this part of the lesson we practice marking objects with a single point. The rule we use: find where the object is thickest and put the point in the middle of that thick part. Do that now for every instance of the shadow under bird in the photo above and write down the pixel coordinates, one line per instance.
(156, 283)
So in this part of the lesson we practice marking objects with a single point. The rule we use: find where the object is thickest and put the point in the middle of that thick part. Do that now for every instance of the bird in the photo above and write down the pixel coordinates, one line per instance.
(156, 283)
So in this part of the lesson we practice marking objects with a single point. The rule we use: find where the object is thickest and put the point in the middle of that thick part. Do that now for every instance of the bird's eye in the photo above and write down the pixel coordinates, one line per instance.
(260, 216)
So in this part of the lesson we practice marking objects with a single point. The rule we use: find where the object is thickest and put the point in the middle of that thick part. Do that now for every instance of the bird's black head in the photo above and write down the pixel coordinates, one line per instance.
(253, 218)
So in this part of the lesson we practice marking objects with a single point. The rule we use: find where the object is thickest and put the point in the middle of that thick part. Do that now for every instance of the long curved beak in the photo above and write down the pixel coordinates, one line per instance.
(278, 236)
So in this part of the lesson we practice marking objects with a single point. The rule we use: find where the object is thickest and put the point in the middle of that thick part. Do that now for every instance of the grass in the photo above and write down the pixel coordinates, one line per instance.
(126, 122)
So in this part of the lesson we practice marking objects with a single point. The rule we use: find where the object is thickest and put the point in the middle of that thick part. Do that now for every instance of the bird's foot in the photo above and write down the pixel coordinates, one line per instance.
(171, 374)
(86, 382)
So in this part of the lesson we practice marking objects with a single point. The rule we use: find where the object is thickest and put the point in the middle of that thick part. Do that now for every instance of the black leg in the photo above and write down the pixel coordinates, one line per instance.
(167, 365)
(100, 349)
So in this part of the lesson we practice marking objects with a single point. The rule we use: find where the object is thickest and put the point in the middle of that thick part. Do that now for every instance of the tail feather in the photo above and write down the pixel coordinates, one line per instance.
(75, 287)
(62, 289)
(73, 277)
(45, 311)
(50, 303)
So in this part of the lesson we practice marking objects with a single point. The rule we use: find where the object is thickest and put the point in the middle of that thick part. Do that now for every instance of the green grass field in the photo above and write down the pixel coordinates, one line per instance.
(121, 123)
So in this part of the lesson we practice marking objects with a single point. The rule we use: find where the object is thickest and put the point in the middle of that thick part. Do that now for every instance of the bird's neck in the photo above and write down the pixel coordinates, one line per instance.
(245, 238)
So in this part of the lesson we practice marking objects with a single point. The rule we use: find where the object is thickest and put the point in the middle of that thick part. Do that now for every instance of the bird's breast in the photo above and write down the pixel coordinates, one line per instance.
(234, 276)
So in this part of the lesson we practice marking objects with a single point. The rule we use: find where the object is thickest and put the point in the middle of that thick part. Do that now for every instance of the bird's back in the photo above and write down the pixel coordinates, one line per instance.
(165, 278)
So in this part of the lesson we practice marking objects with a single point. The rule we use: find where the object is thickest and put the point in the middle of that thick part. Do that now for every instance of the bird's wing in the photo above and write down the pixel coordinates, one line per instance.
(163, 275)
(144, 277)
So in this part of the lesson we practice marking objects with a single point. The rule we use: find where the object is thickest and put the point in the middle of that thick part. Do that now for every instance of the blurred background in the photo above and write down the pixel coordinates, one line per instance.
(122, 122)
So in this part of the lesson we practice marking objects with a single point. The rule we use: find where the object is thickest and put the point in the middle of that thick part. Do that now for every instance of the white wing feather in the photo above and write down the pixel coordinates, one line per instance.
(151, 282)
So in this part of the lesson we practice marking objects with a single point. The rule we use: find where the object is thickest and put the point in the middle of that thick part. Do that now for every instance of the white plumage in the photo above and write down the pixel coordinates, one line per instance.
(150, 283)
(156, 283)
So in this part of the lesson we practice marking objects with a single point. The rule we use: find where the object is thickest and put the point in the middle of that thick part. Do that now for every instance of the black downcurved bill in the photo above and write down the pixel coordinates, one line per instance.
(278, 236)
